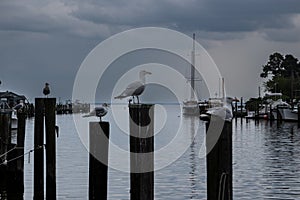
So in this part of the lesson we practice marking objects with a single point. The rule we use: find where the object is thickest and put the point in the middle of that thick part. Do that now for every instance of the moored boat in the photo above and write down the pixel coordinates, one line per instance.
(288, 113)
(191, 106)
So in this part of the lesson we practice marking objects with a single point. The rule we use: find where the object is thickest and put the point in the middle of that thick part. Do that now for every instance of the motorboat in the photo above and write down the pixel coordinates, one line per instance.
(288, 113)
(191, 107)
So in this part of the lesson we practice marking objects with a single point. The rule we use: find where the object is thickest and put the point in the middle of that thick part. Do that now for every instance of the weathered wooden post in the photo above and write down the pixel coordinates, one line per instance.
(219, 160)
(38, 190)
(5, 129)
(19, 174)
(141, 151)
(98, 161)
(236, 108)
(5, 125)
(50, 148)
(21, 136)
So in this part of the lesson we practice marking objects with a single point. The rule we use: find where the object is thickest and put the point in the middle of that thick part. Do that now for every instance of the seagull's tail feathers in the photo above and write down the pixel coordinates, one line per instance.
(88, 115)
(120, 97)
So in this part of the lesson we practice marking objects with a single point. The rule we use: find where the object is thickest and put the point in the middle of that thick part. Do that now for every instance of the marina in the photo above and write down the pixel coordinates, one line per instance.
(269, 173)
(149, 100)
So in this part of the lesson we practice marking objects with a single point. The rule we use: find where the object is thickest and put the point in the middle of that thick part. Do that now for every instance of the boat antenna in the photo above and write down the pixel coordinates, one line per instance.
(193, 69)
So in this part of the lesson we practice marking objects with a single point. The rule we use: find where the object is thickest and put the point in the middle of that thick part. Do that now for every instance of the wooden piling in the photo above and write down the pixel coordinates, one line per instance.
(98, 160)
(5, 146)
(38, 189)
(50, 148)
(5, 125)
(219, 164)
(19, 184)
(142, 151)
(236, 109)
(12, 185)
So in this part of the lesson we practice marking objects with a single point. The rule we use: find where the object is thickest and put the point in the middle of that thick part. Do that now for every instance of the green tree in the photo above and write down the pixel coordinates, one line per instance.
(282, 73)
(274, 65)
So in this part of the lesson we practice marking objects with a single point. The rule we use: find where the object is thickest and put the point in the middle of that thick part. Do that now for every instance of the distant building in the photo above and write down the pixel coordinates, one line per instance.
(11, 98)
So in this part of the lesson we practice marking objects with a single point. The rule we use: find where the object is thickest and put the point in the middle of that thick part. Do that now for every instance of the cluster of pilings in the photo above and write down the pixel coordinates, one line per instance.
(219, 155)
(11, 154)
(141, 155)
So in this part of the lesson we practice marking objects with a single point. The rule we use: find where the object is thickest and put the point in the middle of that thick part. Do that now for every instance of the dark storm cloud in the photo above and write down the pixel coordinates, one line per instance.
(208, 16)
(91, 18)
(46, 40)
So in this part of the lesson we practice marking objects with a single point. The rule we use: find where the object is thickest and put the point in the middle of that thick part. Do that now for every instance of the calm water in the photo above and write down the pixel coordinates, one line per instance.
(266, 160)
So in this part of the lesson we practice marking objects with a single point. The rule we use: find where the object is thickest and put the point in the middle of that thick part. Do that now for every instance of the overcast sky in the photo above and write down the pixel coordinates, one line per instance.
(47, 40)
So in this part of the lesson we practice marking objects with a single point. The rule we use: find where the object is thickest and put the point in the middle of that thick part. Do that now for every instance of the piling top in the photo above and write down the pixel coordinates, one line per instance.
(44, 98)
(101, 122)
(140, 105)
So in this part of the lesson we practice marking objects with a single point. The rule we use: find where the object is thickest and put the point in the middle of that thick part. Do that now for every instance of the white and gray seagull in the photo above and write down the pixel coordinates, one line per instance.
(136, 88)
(98, 112)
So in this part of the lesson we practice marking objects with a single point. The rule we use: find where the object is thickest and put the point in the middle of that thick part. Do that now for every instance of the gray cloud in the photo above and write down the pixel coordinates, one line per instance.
(47, 40)
(209, 16)
(94, 19)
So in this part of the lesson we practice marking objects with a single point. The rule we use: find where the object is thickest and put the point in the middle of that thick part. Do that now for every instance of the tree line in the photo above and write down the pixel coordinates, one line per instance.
(283, 75)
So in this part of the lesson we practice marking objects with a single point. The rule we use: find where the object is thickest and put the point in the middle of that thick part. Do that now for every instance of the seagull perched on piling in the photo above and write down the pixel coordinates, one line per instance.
(98, 112)
(46, 89)
(20, 105)
(136, 88)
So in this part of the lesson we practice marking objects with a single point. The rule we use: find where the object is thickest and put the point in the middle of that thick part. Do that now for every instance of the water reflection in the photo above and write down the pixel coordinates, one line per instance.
(267, 160)
(192, 158)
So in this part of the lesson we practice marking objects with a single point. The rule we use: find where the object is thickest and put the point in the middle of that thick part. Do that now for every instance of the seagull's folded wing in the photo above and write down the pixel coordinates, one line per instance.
(131, 88)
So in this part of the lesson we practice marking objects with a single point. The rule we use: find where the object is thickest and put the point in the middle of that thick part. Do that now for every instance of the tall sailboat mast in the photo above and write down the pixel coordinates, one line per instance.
(193, 69)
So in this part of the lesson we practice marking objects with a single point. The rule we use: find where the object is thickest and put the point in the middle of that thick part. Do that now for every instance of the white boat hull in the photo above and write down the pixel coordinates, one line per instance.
(190, 108)
(288, 114)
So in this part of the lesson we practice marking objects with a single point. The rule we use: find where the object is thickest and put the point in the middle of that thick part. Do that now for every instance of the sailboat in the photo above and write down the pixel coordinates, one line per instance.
(191, 107)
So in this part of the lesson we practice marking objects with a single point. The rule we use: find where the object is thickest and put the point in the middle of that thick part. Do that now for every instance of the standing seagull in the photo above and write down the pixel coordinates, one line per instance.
(98, 112)
(46, 89)
(20, 105)
(136, 88)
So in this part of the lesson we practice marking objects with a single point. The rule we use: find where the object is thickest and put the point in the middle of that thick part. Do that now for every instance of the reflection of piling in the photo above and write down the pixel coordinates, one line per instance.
(271, 116)
(219, 163)
(279, 117)
(38, 190)
(99, 147)
(50, 148)
(141, 151)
